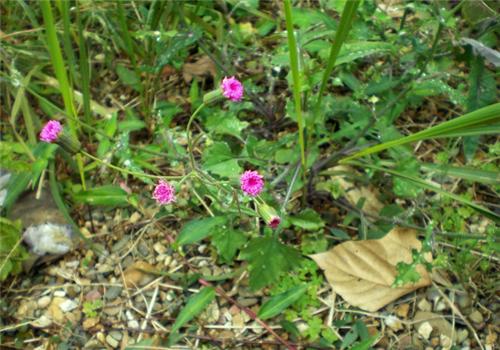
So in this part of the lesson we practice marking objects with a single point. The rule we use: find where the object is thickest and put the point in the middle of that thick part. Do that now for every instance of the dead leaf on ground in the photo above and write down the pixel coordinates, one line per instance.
(201, 68)
(139, 274)
(362, 272)
(354, 193)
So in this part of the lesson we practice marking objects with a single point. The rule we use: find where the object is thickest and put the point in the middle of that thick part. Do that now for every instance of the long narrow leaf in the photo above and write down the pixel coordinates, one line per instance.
(424, 184)
(195, 305)
(454, 127)
(344, 27)
(279, 302)
(294, 62)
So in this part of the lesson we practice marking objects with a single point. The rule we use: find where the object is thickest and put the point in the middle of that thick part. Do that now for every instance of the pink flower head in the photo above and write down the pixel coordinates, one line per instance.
(51, 131)
(164, 193)
(232, 88)
(252, 183)
(275, 221)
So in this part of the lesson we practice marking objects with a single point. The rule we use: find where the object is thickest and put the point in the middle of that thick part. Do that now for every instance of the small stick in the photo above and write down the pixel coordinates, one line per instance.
(249, 312)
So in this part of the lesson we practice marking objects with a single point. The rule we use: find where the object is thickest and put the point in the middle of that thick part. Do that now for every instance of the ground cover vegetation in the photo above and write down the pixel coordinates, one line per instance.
(249, 174)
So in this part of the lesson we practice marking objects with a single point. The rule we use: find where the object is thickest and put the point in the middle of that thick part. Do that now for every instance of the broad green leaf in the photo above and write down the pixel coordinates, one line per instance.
(434, 87)
(308, 220)
(10, 235)
(279, 302)
(195, 305)
(403, 187)
(490, 114)
(227, 242)
(108, 195)
(267, 260)
(198, 229)
(219, 160)
(225, 123)
(356, 50)
(128, 77)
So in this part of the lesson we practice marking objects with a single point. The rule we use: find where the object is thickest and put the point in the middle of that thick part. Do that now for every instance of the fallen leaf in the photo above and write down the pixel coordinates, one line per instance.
(354, 193)
(363, 272)
(201, 68)
(139, 274)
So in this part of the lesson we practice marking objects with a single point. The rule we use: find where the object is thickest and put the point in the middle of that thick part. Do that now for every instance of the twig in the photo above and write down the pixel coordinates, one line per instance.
(249, 312)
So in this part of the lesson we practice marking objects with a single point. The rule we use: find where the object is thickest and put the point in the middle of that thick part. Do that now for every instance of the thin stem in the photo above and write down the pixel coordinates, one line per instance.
(188, 131)
(130, 172)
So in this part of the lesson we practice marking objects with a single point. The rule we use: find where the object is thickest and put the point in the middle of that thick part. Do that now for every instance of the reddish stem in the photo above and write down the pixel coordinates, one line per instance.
(249, 312)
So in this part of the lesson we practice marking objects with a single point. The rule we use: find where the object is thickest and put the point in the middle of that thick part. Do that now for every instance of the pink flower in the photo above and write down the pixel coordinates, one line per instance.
(232, 88)
(164, 193)
(251, 183)
(275, 221)
(51, 131)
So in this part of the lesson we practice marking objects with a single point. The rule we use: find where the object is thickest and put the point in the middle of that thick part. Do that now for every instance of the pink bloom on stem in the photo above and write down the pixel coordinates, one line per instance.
(275, 221)
(164, 193)
(51, 131)
(252, 183)
(232, 88)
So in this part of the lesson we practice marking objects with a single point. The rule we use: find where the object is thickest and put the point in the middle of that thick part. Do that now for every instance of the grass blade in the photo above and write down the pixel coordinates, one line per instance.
(344, 27)
(454, 127)
(279, 302)
(84, 69)
(195, 305)
(294, 63)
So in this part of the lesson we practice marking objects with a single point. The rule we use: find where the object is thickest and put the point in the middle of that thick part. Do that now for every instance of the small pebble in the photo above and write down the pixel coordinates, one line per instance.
(117, 335)
(159, 248)
(445, 342)
(68, 305)
(113, 292)
(462, 335)
(112, 341)
(43, 302)
(60, 293)
(476, 317)
(425, 330)
(202, 248)
(424, 305)
(441, 306)
(42, 322)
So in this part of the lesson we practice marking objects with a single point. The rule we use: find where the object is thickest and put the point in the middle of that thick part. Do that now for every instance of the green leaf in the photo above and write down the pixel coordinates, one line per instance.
(471, 174)
(227, 242)
(128, 77)
(196, 230)
(308, 219)
(268, 259)
(403, 187)
(490, 114)
(219, 160)
(10, 236)
(225, 123)
(279, 302)
(195, 305)
(108, 195)
(359, 49)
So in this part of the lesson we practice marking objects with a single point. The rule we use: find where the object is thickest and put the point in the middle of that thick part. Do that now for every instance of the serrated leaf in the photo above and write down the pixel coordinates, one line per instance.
(308, 220)
(267, 260)
(108, 195)
(195, 305)
(227, 242)
(10, 234)
(225, 123)
(280, 302)
(196, 230)
(219, 160)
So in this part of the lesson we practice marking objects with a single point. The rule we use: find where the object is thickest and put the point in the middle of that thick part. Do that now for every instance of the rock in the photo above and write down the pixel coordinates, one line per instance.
(134, 217)
(393, 322)
(159, 248)
(121, 244)
(440, 306)
(464, 301)
(26, 309)
(434, 342)
(137, 274)
(168, 260)
(402, 310)
(424, 305)
(93, 295)
(143, 249)
(44, 301)
(211, 314)
(462, 334)
(42, 322)
(67, 305)
(425, 330)
(54, 311)
(445, 342)
(90, 322)
(113, 292)
(60, 293)
(112, 341)
(202, 248)
(248, 301)
(433, 294)
(437, 322)
(104, 268)
(476, 317)
(133, 324)
(117, 335)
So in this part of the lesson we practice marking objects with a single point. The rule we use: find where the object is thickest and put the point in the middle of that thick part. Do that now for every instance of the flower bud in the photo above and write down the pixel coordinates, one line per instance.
(213, 96)
(68, 143)
(269, 215)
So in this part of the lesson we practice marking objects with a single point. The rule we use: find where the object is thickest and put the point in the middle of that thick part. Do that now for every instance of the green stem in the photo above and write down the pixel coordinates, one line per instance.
(294, 63)
(130, 172)
(188, 131)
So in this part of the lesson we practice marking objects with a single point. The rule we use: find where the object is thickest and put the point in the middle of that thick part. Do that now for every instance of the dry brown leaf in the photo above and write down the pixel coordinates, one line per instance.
(139, 274)
(362, 272)
(354, 193)
(201, 68)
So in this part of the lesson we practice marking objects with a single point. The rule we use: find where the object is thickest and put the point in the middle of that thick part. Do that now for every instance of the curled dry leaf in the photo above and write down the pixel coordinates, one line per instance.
(201, 68)
(363, 272)
(354, 193)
